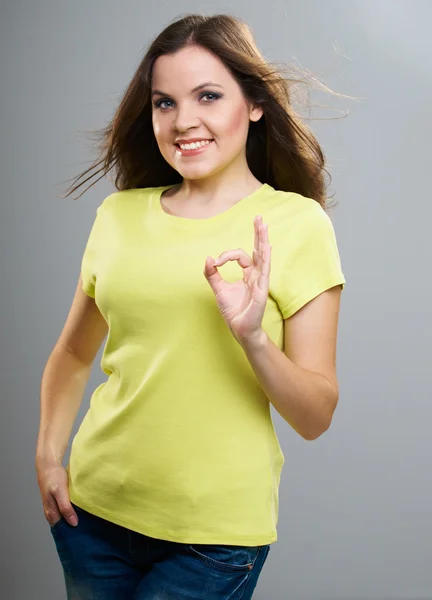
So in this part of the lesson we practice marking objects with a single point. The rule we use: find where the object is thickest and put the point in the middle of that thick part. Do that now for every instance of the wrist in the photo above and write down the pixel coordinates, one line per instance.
(254, 342)
(47, 459)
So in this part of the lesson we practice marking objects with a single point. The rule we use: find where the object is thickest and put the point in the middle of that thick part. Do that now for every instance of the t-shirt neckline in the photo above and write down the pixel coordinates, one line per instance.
(229, 212)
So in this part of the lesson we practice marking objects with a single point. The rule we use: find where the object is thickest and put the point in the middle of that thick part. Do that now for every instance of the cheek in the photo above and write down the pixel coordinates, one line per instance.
(235, 125)
(162, 126)
(156, 127)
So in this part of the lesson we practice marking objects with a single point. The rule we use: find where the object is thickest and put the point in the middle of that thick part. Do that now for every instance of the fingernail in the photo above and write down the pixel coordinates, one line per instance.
(73, 521)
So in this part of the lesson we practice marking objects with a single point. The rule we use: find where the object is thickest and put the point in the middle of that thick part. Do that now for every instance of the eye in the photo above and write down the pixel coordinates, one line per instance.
(216, 96)
(159, 103)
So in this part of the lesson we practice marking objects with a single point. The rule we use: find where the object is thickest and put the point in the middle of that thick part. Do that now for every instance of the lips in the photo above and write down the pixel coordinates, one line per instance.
(193, 141)
(193, 152)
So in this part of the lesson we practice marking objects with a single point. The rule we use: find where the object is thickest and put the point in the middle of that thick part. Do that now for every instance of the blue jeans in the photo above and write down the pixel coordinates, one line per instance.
(104, 561)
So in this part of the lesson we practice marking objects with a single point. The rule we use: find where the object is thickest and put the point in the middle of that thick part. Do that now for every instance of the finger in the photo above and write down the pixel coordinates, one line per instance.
(264, 277)
(260, 247)
(264, 243)
(51, 510)
(212, 275)
(267, 261)
(66, 508)
(256, 238)
(238, 254)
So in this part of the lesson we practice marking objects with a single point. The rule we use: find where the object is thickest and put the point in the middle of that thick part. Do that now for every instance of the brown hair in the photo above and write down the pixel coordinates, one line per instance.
(280, 149)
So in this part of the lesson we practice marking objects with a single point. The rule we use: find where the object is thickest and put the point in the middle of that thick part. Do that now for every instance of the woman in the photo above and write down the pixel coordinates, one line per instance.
(171, 490)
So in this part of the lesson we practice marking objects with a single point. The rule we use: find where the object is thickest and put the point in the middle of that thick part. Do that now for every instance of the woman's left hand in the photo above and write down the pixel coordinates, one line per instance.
(242, 303)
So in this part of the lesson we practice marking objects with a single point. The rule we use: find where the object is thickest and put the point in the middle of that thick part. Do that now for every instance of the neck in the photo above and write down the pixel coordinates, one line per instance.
(202, 192)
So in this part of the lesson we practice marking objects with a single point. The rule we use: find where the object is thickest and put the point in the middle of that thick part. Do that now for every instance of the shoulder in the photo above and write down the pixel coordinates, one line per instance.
(293, 204)
(302, 206)
(297, 215)
(124, 199)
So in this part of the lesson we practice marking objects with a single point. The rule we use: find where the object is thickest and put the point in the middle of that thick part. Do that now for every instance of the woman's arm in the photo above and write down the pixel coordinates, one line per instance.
(301, 382)
(66, 375)
(62, 388)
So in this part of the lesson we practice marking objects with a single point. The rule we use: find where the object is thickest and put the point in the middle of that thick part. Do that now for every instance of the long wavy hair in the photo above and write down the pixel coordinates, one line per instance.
(281, 150)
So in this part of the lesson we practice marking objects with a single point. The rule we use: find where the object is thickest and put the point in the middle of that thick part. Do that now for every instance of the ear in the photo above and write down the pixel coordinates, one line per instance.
(256, 113)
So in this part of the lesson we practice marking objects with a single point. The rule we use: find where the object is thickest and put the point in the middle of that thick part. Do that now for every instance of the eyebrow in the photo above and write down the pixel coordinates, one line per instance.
(198, 87)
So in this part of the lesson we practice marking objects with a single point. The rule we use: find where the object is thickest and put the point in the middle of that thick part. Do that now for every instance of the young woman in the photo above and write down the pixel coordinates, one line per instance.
(215, 274)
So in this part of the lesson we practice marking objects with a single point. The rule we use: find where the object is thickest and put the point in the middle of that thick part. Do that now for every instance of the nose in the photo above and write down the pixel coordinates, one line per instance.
(185, 118)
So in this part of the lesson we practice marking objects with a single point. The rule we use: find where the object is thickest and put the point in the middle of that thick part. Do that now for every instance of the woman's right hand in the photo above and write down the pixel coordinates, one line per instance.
(53, 486)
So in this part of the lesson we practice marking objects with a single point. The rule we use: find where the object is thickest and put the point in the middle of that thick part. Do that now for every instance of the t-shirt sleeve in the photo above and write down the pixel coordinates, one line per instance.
(311, 264)
(91, 251)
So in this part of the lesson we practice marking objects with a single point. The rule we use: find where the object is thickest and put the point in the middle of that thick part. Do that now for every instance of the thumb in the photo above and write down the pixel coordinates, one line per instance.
(65, 506)
(212, 274)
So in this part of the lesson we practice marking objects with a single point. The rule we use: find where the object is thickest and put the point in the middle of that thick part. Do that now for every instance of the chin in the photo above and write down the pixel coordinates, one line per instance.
(195, 172)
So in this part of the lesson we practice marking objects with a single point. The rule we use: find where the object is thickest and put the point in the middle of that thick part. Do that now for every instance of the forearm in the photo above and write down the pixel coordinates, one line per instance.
(62, 388)
(306, 400)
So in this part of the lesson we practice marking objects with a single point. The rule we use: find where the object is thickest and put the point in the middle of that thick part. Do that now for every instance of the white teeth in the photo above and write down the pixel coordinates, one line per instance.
(194, 145)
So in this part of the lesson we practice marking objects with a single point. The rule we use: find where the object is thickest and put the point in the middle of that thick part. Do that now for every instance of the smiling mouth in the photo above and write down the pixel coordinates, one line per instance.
(192, 151)
(209, 142)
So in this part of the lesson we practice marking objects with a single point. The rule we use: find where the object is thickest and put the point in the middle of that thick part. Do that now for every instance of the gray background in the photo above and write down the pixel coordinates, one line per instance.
(355, 504)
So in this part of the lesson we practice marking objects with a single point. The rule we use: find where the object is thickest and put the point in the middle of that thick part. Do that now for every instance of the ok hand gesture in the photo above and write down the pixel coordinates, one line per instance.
(243, 302)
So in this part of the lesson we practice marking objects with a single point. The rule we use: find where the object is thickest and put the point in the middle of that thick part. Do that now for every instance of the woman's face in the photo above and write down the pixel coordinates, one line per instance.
(217, 112)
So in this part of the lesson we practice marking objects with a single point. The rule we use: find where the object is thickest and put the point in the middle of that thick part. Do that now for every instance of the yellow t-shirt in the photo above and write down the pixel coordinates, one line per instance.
(178, 443)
